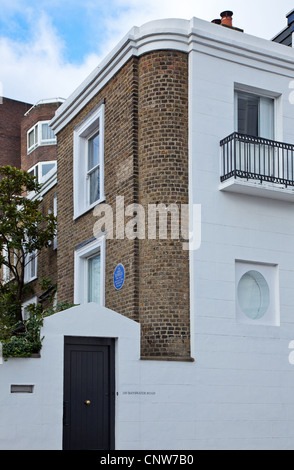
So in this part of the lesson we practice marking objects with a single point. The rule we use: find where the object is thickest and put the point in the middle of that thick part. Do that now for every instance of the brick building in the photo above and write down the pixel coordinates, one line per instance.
(137, 102)
(27, 142)
(286, 35)
(171, 348)
(11, 115)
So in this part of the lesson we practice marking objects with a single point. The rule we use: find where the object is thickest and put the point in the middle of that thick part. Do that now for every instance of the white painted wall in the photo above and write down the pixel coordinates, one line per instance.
(34, 421)
(237, 393)
(245, 395)
(153, 399)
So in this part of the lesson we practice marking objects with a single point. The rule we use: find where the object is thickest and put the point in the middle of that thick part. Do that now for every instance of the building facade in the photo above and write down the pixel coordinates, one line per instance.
(11, 115)
(195, 327)
(28, 143)
(130, 167)
(286, 35)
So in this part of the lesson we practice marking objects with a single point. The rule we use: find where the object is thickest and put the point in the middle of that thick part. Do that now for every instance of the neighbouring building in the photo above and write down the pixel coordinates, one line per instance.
(11, 115)
(286, 35)
(181, 338)
(27, 142)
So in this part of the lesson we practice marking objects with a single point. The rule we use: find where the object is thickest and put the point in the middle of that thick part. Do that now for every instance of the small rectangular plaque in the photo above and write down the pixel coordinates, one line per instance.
(21, 388)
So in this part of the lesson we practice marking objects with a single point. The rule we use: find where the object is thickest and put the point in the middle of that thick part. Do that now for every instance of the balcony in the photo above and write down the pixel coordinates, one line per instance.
(257, 167)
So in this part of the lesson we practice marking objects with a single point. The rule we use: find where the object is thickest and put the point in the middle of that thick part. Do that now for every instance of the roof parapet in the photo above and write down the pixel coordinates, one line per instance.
(45, 101)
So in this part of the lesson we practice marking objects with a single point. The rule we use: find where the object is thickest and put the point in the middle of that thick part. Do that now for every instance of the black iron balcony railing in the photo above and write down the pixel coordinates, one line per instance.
(255, 158)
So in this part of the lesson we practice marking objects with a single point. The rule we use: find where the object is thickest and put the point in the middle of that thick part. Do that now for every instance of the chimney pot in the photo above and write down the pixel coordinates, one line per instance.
(226, 18)
(216, 21)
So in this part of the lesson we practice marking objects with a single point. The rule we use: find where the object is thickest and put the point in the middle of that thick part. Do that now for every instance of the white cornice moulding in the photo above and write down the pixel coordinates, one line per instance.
(180, 35)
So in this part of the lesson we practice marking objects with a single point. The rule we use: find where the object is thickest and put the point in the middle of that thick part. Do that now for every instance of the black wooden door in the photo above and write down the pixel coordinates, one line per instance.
(89, 393)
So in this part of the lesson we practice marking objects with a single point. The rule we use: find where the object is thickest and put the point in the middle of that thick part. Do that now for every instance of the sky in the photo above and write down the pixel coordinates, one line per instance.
(48, 47)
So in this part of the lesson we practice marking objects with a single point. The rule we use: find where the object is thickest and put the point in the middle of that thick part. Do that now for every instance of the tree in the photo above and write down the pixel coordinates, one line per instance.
(24, 231)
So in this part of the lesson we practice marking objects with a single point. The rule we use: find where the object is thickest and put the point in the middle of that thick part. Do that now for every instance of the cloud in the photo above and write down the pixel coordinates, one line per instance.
(37, 69)
(131, 13)
(268, 18)
(38, 63)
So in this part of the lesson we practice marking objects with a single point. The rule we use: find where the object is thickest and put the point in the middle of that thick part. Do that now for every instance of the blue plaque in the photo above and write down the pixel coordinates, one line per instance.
(119, 276)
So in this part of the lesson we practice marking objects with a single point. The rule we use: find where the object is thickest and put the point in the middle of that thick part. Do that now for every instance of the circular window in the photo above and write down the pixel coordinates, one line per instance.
(253, 295)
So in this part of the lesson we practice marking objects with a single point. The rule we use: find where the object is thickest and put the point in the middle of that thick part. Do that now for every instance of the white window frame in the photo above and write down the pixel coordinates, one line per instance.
(32, 300)
(270, 272)
(262, 111)
(5, 269)
(81, 257)
(262, 93)
(51, 141)
(32, 147)
(42, 179)
(7, 274)
(29, 259)
(38, 140)
(55, 215)
(88, 128)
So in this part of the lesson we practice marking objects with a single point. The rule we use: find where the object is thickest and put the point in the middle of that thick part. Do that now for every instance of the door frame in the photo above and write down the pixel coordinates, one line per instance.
(94, 341)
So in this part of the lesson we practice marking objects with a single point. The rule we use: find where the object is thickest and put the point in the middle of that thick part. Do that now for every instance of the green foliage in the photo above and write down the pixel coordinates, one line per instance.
(9, 308)
(25, 336)
(22, 224)
(23, 228)
(29, 341)
(19, 346)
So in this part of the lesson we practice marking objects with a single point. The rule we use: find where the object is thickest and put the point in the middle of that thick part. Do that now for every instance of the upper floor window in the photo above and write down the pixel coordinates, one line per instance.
(43, 170)
(30, 269)
(5, 268)
(54, 212)
(55, 215)
(9, 259)
(40, 134)
(93, 168)
(254, 115)
(89, 162)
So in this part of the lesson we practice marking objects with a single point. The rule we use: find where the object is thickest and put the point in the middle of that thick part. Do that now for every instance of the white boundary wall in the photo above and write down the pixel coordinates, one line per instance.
(225, 399)
(154, 400)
